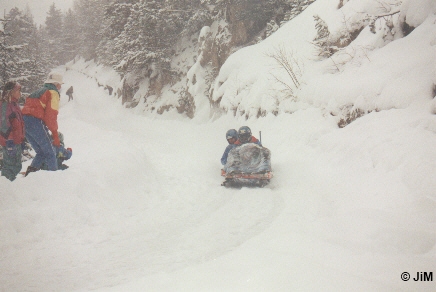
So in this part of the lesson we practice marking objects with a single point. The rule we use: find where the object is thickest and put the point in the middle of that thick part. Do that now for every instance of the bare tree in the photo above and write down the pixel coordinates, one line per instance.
(286, 61)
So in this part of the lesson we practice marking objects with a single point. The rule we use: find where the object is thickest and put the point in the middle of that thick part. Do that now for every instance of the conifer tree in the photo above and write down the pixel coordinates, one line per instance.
(89, 16)
(38, 61)
(25, 61)
(147, 38)
(322, 41)
(53, 26)
(13, 35)
(70, 40)
(116, 15)
(34, 69)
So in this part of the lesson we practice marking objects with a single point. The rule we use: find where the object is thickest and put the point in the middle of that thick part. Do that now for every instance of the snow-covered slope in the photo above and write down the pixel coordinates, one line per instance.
(375, 71)
(141, 207)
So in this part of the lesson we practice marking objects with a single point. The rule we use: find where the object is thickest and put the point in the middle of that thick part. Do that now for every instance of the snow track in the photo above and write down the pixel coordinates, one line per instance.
(141, 207)
(141, 196)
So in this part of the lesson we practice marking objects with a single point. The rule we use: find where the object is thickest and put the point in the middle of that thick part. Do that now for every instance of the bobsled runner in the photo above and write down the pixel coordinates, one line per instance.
(246, 179)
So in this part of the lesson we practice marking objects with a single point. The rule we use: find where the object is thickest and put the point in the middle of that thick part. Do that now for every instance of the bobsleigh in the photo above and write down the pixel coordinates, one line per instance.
(248, 165)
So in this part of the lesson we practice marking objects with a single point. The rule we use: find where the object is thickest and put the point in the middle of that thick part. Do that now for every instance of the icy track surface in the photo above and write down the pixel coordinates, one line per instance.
(141, 207)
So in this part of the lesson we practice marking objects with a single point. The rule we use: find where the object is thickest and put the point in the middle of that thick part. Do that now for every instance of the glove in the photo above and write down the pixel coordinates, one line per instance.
(63, 153)
(10, 147)
(69, 153)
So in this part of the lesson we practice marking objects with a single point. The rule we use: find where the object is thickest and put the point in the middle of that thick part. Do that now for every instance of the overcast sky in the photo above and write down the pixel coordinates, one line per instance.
(38, 8)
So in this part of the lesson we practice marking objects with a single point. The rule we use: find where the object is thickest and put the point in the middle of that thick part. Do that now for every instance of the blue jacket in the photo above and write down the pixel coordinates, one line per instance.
(226, 153)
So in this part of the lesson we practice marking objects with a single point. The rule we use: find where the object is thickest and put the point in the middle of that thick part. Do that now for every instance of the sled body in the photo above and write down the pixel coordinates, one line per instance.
(248, 165)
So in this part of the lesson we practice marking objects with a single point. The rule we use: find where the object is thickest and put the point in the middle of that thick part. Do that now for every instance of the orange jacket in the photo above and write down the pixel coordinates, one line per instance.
(43, 104)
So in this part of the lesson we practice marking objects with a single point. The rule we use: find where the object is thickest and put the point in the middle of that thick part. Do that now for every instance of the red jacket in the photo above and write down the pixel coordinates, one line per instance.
(252, 140)
(15, 122)
(43, 104)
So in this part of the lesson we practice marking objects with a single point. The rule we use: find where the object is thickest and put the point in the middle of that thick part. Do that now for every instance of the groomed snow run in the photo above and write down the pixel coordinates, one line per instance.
(141, 207)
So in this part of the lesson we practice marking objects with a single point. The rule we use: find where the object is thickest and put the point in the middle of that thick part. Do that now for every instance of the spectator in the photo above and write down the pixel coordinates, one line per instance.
(40, 116)
(11, 130)
(70, 93)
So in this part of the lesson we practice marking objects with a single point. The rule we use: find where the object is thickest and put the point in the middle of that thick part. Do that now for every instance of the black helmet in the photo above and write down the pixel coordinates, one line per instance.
(244, 134)
(232, 133)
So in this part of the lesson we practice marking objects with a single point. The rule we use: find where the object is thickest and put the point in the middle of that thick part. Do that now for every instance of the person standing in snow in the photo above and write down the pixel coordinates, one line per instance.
(40, 113)
(11, 130)
(245, 136)
(232, 137)
(70, 93)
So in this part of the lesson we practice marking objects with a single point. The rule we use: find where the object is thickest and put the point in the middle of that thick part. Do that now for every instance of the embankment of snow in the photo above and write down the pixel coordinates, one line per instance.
(375, 71)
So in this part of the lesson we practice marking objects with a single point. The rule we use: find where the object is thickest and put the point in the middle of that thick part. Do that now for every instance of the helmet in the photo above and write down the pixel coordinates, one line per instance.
(244, 134)
(232, 133)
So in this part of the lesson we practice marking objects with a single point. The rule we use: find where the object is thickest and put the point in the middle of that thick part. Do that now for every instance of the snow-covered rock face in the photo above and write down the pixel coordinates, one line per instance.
(194, 65)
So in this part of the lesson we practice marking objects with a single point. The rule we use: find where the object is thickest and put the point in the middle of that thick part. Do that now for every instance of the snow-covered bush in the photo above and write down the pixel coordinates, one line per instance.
(322, 41)
(186, 104)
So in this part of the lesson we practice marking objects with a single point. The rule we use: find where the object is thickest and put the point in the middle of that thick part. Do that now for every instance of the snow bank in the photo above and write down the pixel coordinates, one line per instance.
(103, 75)
(394, 76)
(393, 73)
(416, 12)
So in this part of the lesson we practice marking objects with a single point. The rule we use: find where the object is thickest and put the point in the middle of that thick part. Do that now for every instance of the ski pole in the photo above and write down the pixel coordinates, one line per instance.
(260, 136)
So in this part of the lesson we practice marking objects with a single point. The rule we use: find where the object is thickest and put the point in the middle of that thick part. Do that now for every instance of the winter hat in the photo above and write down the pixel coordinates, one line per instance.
(7, 89)
(54, 77)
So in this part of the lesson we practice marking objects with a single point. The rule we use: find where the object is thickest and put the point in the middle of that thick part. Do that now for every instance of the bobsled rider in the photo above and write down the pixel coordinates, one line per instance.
(245, 136)
(232, 137)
